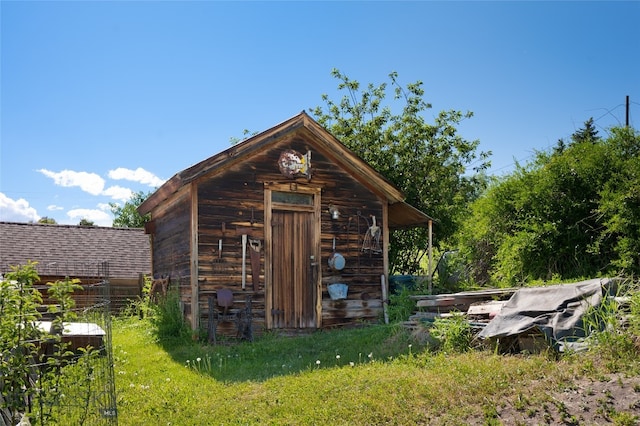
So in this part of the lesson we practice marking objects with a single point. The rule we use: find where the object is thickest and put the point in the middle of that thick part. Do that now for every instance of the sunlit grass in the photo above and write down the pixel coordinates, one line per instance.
(374, 375)
(366, 376)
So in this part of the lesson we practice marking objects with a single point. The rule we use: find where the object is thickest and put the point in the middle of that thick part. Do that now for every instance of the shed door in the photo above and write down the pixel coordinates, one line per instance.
(293, 291)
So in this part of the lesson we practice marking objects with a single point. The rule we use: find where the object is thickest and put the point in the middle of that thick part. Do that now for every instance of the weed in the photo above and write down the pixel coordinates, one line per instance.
(401, 306)
(625, 419)
(531, 412)
(602, 326)
(521, 402)
(167, 316)
(453, 334)
(491, 415)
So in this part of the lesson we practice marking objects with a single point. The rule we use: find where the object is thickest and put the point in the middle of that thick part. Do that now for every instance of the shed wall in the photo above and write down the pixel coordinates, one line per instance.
(232, 204)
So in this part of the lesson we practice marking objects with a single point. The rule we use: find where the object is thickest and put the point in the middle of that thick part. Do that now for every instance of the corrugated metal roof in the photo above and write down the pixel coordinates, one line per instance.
(75, 251)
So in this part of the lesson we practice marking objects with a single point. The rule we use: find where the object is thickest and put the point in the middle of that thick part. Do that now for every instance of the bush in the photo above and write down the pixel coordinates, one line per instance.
(38, 371)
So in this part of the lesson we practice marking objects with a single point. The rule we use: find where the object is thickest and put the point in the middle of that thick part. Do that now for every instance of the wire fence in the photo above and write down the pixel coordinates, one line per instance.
(61, 371)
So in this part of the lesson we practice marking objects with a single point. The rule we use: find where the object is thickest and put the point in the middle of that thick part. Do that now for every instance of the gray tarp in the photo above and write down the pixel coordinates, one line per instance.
(555, 310)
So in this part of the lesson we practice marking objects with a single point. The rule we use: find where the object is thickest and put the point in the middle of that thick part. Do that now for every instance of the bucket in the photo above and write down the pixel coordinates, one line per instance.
(337, 291)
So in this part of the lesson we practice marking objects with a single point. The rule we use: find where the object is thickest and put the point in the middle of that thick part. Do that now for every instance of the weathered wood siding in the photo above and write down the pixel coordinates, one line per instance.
(231, 204)
(170, 246)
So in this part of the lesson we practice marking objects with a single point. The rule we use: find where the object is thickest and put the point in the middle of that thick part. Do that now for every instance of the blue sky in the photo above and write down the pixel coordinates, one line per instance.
(99, 99)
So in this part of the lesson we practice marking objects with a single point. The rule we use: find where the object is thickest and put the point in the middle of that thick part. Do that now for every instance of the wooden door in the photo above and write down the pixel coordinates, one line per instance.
(294, 287)
(292, 246)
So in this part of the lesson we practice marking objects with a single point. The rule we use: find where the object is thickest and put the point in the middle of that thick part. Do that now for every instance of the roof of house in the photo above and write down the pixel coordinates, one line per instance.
(75, 251)
(402, 214)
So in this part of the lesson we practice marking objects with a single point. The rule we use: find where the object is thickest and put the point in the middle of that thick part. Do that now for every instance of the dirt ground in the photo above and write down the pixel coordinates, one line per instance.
(612, 400)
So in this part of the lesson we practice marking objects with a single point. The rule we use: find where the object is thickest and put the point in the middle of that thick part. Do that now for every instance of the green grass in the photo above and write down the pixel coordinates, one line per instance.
(373, 375)
(380, 374)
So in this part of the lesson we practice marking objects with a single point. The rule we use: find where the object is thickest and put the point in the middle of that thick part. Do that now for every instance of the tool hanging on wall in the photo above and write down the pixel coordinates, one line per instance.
(371, 241)
(336, 260)
(255, 246)
(244, 261)
(218, 263)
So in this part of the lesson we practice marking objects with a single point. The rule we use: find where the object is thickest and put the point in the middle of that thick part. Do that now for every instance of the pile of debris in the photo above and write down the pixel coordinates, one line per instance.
(528, 319)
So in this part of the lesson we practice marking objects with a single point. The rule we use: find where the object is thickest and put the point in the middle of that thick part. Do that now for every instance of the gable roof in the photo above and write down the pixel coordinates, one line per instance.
(304, 126)
(75, 251)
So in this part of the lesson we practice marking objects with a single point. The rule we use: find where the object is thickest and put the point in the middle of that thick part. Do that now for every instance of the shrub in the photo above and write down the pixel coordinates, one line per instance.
(38, 372)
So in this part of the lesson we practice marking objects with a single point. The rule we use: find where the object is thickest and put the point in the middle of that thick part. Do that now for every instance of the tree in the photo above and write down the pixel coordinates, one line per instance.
(86, 222)
(47, 220)
(588, 133)
(568, 214)
(438, 170)
(127, 216)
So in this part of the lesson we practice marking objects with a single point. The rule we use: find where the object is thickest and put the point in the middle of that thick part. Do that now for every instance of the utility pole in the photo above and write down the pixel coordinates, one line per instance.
(627, 113)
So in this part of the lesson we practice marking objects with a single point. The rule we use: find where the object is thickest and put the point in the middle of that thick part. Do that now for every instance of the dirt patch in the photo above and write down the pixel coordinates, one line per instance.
(614, 399)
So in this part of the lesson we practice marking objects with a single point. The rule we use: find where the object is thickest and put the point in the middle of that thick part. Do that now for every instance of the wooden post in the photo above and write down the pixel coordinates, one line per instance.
(195, 293)
(430, 274)
(384, 299)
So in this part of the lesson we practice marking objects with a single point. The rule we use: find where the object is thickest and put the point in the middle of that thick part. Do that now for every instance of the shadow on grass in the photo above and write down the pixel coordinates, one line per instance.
(271, 355)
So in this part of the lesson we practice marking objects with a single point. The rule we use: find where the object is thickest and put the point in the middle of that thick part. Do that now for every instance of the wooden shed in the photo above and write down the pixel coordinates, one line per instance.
(279, 219)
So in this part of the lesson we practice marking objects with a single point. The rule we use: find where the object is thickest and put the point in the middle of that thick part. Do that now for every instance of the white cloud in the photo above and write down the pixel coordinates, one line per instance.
(98, 217)
(138, 175)
(88, 182)
(53, 208)
(118, 193)
(16, 210)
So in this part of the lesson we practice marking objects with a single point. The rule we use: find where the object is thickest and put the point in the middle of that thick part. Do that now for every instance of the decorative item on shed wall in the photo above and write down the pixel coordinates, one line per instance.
(371, 241)
(334, 212)
(291, 164)
(256, 247)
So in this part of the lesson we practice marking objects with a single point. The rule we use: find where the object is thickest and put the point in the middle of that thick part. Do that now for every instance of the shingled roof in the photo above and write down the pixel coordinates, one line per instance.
(75, 251)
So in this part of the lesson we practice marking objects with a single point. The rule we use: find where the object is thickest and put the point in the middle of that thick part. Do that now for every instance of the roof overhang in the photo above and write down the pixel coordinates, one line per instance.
(403, 215)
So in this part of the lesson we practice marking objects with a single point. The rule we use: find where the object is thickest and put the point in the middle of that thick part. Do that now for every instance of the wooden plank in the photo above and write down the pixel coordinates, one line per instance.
(468, 294)
(430, 315)
(486, 308)
(195, 297)
(431, 303)
(268, 259)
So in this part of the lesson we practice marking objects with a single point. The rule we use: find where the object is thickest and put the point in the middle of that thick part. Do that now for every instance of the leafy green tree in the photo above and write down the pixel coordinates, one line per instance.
(127, 216)
(86, 222)
(619, 204)
(568, 214)
(439, 171)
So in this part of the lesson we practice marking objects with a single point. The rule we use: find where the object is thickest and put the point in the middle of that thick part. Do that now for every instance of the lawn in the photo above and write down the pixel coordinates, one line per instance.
(367, 376)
